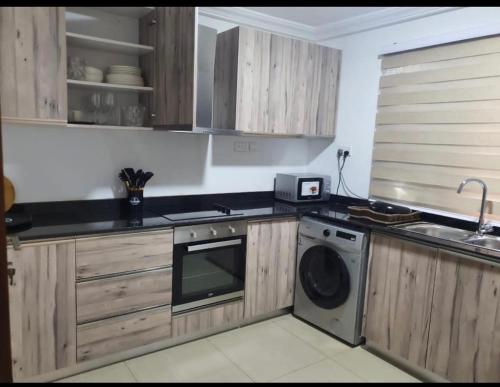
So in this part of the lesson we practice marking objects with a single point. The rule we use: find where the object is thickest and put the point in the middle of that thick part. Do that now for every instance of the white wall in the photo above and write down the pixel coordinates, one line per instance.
(47, 164)
(360, 71)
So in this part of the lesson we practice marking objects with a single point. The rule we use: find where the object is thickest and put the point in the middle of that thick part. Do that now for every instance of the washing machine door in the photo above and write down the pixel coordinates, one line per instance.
(324, 277)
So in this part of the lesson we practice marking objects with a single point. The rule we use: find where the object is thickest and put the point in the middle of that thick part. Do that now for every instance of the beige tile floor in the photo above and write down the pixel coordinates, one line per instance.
(283, 349)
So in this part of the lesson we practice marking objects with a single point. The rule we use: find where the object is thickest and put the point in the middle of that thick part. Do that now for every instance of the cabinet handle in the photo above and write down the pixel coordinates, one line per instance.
(153, 115)
(11, 272)
(14, 239)
(152, 22)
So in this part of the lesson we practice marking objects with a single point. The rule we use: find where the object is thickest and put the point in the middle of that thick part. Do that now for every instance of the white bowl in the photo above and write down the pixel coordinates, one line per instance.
(93, 70)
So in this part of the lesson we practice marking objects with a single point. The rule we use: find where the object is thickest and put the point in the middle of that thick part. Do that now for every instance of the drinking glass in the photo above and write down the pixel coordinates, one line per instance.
(94, 104)
(107, 104)
(76, 68)
(133, 115)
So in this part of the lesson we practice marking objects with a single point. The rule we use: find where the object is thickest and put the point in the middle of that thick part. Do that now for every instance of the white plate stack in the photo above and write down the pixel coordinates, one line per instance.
(125, 75)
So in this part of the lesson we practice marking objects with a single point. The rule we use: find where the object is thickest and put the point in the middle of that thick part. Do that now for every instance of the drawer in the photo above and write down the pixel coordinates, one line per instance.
(107, 297)
(188, 323)
(117, 334)
(114, 254)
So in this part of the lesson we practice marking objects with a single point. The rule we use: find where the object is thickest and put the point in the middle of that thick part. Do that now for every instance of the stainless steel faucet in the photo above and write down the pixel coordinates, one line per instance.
(481, 226)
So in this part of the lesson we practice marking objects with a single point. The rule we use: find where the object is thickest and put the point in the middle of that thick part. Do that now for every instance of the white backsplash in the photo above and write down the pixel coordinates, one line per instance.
(52, 163)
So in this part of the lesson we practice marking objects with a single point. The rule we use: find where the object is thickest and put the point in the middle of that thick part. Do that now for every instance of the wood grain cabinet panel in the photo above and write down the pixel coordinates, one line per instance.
(120, 333)
(262, 80)
(171, 72)
(399, 295)
(33, 64)
(42, 308)
(464, 340)
(208, 318)
(270, 266)
(114, 254)
(106, 297)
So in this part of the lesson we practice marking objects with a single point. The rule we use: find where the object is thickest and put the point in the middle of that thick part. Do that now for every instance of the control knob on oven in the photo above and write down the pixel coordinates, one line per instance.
(213, 231)
(193, 234)
(232, 230)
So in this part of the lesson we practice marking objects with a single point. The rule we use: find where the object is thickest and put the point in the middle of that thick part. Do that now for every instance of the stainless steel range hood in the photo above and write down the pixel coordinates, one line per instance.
(206, 45)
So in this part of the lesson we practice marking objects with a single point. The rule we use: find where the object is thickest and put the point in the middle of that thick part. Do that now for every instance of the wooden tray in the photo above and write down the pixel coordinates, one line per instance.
(367, 213)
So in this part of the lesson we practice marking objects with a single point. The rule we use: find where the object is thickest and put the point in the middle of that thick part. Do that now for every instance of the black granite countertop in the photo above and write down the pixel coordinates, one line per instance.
(80, 218)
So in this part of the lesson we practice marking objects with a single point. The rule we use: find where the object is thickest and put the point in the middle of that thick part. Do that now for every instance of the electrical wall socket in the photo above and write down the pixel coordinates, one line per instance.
(342, 148)
(241, 146)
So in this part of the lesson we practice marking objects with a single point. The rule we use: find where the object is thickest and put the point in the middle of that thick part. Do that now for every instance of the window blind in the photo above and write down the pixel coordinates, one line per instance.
(438, 122)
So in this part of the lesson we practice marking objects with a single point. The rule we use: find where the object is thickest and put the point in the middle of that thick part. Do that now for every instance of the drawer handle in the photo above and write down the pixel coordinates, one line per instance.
(130, 273)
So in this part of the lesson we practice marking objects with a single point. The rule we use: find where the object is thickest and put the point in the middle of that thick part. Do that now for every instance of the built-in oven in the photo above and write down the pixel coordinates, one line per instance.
(208, 264)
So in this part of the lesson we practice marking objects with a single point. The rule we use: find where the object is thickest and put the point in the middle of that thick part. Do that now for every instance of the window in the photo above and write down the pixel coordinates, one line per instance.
(438, 122)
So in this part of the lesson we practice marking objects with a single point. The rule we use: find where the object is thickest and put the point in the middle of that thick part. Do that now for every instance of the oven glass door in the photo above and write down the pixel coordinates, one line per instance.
(207, 270)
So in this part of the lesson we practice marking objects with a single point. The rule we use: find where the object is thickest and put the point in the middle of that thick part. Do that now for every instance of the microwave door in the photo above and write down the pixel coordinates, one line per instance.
(309, 188)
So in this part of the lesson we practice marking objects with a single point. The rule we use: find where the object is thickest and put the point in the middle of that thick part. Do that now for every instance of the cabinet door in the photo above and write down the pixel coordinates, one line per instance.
(270, 266)
(275, 76)
(464, 339)
(398, 298)
(171, 30)
(42, 308)
(33, 64)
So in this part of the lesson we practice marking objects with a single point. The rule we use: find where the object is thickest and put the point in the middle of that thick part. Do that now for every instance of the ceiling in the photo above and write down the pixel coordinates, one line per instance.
(319, 24)
(316, 16)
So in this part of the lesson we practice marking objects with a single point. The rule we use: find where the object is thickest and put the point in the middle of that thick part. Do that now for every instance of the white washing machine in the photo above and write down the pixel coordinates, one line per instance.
(331, 277)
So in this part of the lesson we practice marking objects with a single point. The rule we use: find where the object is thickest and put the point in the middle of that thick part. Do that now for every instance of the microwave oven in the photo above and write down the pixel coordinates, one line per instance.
(302, 187)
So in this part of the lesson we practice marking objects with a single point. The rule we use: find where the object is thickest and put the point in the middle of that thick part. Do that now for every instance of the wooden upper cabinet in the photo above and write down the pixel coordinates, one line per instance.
(464, 339)
(42, 307)
(267, 83)
(270, 266)
(171, 70)
(399, 295)
(33, 65)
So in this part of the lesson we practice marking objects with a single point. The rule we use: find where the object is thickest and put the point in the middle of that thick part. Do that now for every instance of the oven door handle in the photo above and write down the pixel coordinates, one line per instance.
(214, 245)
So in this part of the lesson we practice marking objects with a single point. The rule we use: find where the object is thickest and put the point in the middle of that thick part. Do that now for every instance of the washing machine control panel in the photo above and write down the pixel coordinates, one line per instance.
(345, 235)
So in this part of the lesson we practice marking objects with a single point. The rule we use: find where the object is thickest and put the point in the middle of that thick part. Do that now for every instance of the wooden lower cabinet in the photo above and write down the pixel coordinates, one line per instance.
(42, 307)
(270, 265)
(107, 297)
(398, 298)
(120, 333)
(437, 309)
(115, 254)
(202, 320)
(464, 340)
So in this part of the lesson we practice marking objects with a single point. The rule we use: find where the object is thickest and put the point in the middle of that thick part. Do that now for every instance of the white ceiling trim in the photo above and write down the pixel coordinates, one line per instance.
(352, 25)
(243, 16)
(376, 19)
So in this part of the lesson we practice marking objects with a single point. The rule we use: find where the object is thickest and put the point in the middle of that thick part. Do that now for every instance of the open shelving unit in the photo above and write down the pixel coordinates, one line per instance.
(110, 127)
(115, 33)
(95, 43)
(108, 86)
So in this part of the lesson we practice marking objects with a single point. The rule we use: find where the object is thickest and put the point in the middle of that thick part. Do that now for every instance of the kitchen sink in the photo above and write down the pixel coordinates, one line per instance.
(438, 231)
(486, 241)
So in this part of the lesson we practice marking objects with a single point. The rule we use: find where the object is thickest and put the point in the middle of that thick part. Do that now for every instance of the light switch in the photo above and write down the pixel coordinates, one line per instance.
(241, 146)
